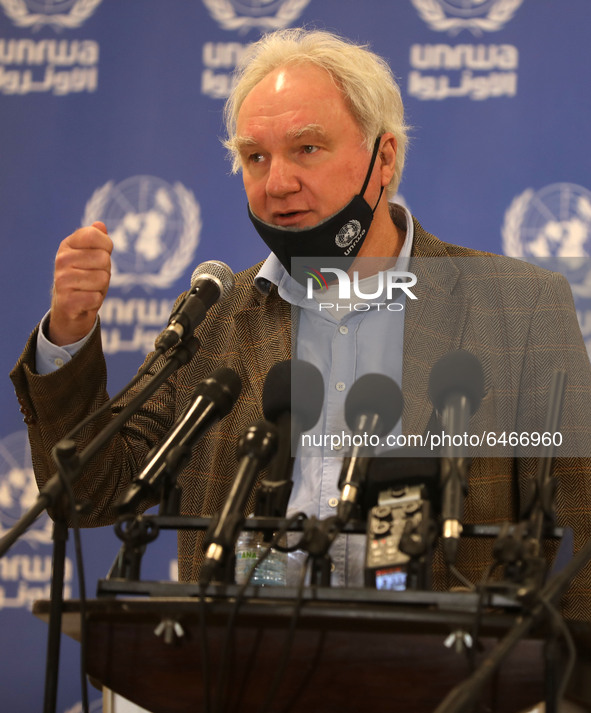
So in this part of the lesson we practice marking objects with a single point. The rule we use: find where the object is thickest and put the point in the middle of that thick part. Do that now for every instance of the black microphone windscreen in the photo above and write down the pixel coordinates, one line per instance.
(458, 372)
(374, 394)
(308, 392)
(223, 387)
(218, 271)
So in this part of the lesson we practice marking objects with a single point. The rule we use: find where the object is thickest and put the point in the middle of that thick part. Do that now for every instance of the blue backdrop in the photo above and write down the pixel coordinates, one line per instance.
(112, 109)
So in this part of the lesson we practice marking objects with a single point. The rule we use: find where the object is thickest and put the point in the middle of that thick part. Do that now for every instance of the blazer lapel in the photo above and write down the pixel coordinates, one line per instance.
(263, 336)
(433, 325)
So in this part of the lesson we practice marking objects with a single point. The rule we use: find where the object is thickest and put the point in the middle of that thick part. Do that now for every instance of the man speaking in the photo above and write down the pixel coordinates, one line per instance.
(316, 126)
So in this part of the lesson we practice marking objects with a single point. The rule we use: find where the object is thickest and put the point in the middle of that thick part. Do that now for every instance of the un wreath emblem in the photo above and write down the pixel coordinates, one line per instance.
(155, 228)
(244, 15)
(18, 489)
(58, 13)
(348, 233)
(552, 227)
(475, 15)
(552, 222)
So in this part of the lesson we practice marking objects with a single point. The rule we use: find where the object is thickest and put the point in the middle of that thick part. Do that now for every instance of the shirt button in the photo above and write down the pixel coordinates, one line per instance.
(340, 386)
(343, 329)
(333, 502)
(59, 362)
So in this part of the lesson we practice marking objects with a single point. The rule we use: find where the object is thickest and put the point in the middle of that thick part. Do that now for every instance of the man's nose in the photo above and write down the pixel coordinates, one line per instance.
(282, 178)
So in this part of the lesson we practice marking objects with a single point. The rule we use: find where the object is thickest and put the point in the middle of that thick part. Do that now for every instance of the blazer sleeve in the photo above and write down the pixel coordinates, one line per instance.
(53, 404)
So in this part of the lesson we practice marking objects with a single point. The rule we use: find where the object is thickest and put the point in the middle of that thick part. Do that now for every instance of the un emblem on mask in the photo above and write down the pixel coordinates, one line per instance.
(475, 15)
(244, 15)
(58, 13)
(348, 233)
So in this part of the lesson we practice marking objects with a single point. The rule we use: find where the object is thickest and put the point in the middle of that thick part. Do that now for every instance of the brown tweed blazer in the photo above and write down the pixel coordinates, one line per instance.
(519, 320)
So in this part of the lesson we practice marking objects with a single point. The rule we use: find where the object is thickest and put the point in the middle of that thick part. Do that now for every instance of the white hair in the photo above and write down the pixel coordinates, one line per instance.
(366, 80)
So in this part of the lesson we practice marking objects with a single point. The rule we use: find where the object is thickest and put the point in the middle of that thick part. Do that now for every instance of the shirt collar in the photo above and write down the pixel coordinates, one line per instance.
(272, 271)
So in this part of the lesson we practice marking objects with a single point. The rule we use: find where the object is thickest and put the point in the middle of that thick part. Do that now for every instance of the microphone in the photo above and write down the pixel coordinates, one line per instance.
(212, 399)
(292, 416)
(211, 282)
(255, 448)
(372, 409)
(456, 387)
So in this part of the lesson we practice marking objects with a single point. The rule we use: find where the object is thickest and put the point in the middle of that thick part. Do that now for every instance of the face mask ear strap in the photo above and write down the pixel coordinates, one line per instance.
(378, 200)
(376, 148)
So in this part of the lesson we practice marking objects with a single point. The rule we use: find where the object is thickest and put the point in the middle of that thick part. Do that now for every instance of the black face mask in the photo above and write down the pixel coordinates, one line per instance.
(339, 236)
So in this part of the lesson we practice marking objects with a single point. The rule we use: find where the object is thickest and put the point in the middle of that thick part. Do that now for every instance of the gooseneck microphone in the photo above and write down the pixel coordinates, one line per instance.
(255, 448)
(456, 386)
(372, 409)
(213, 398)
(293, 395)
(211, 282)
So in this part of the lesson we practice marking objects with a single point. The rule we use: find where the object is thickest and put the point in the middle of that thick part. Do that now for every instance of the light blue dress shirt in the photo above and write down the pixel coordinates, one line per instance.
(344, 346)
(49, 357)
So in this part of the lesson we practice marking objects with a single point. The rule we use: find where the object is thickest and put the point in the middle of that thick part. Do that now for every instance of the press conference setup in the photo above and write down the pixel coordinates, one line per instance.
(328, 482)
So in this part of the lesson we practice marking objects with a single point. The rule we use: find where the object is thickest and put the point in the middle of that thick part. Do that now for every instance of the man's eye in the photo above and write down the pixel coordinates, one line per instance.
(309, 148)
(255, 158)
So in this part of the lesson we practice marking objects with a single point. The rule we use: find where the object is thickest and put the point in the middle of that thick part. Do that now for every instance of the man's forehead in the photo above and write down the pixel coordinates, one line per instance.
(297, 84)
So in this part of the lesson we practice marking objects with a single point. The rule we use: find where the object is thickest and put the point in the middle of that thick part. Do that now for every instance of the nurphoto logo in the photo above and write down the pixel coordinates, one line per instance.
(359, 291)
(388, 282)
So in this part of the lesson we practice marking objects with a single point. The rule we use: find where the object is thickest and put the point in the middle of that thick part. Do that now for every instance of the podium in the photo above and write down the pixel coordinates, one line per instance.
(352, 650)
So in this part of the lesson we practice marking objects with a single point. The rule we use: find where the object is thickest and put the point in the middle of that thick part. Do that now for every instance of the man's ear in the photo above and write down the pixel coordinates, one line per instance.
(387, 157)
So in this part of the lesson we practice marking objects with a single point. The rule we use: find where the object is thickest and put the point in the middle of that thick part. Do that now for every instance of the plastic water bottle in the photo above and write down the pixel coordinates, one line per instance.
(250, 546)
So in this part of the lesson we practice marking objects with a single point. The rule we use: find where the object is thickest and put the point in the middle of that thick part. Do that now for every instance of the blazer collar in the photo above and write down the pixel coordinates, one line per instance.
(264, 327)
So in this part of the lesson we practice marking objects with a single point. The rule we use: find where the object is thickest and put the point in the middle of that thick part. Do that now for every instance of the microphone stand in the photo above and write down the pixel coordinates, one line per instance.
(318, 536)
(519, 548)
(465, 694)
(70, 466)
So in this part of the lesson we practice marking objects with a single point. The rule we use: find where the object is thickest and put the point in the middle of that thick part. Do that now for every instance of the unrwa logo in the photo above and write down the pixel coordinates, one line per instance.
(18, 489)
(551, 227)
(477, 16)
(58, 13)
(554, 221)
(155, 228)
(244, 15)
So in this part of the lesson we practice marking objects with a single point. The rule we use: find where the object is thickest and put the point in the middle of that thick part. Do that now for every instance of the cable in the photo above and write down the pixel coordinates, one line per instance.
(310, 671)
(460, 577)
(251, 660)
(227, 649)
(289, 641)
(560, 624)
(477, 623)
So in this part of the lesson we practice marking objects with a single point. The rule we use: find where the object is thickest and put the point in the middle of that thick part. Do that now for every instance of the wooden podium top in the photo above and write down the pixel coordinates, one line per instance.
(352, 650)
